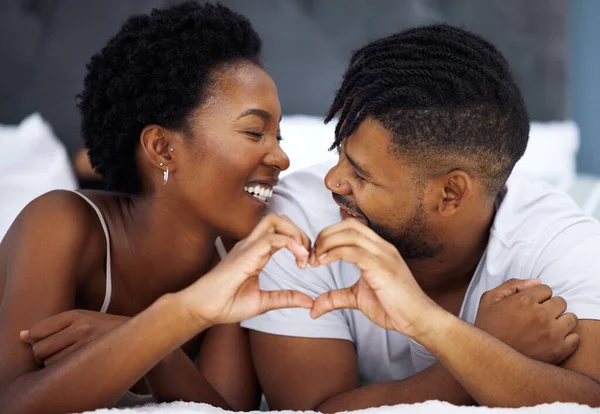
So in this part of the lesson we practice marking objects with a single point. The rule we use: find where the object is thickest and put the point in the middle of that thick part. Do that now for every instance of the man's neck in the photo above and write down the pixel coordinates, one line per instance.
(453, 268)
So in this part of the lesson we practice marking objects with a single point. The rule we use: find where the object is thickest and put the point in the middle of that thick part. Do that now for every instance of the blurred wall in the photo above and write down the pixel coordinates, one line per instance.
(585, 80)
(44, 45)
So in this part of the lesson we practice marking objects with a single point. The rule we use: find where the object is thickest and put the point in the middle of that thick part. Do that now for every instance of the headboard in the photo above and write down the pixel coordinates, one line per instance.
(45, 44)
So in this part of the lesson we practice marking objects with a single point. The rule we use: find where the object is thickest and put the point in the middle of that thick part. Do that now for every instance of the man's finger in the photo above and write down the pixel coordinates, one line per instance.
(347, 237)
(345, 225)
(334, 299)
(556, 306)
(570, 345)
(568, 322)
(539, 294)
(509, 288)
(279, 299)
(363, 259)
(46, 327)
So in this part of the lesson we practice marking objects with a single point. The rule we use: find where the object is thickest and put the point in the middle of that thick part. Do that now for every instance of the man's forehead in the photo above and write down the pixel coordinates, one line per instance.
(370, 146)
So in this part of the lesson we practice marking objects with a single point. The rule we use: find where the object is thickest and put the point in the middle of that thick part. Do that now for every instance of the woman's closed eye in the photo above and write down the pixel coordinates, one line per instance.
(255, 135)
(260, 135)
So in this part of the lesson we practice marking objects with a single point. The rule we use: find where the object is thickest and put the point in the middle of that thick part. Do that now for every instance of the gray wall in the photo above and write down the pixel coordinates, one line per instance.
(585, 80)
(44, 45)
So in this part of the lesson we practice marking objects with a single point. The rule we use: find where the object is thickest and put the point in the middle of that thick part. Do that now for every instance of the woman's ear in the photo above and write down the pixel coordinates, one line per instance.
(155, 142)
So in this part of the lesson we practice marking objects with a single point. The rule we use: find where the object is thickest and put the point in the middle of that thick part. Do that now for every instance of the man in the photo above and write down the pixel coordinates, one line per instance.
(431, 124)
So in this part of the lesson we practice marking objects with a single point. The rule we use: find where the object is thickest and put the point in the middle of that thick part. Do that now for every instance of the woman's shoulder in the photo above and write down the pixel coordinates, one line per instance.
(62, 221)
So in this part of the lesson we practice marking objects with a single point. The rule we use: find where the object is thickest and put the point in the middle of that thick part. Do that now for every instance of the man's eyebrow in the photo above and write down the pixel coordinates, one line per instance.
(266, 115)
(356, 166)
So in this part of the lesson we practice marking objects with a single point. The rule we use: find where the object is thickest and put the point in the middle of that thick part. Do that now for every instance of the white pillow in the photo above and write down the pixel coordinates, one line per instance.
(32, 162)
(550, 155)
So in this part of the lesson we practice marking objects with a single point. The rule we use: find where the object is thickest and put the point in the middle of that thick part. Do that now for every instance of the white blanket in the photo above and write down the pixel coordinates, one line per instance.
(427, 407)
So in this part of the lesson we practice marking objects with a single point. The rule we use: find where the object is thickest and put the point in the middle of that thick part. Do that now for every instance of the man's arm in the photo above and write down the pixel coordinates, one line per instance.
(531, 328)
(491, 371)
(322, 374)
(496, 375)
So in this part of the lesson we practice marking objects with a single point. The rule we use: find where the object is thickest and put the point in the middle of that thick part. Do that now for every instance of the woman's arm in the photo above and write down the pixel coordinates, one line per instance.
(43, 260)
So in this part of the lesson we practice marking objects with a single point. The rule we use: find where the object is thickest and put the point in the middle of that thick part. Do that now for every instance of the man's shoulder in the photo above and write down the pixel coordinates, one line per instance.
(303, 197)
(532, 213)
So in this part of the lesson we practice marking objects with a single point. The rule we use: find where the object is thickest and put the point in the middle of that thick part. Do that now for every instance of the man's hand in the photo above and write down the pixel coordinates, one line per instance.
(386, 293)
(524, 315)
(60, 335)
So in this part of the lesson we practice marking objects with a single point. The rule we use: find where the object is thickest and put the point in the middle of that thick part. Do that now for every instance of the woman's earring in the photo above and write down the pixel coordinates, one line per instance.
(166, 175)
(172, 149)
(337, 185)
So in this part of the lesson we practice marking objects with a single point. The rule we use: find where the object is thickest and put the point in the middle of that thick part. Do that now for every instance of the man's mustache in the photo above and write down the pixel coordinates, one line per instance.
(343, 201)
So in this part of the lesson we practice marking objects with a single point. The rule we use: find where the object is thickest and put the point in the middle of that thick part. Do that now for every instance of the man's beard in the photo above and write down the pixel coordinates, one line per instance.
(411, 241)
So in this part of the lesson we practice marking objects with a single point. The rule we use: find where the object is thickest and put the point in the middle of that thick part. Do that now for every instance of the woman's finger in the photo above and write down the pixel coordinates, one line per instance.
(273, 223)
(53, 344)
(305, 239)
(63, 353)
(47, 327)
(269, 244)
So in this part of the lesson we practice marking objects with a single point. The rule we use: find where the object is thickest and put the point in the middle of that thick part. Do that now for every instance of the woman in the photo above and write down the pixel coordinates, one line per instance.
(182, 123)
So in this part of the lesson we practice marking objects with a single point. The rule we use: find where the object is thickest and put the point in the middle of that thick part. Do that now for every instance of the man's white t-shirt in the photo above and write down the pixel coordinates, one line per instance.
(537, 232)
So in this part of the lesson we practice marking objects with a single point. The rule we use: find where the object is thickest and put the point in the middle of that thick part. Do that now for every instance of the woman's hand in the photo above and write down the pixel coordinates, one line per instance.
(58, 336)
(386, 293)
(230, 293)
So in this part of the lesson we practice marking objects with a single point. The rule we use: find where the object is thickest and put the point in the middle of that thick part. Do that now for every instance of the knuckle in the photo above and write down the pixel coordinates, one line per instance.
(486, 296)
(525, 300)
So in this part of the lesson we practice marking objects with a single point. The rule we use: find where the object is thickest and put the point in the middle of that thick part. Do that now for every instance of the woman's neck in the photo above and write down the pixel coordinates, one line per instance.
(163, 248)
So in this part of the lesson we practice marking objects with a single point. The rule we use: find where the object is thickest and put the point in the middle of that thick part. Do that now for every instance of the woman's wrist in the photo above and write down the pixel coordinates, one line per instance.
(186, 304)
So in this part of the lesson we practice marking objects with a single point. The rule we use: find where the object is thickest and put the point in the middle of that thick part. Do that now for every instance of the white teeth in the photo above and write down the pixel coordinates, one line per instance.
(262, 193)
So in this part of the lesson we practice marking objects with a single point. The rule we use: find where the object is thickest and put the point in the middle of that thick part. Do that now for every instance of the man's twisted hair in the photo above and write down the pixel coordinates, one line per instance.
(447, 96)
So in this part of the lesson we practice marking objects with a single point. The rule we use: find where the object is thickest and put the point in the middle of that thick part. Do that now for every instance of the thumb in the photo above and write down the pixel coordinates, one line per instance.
(512, 287)
(279, 299)
(334, 299)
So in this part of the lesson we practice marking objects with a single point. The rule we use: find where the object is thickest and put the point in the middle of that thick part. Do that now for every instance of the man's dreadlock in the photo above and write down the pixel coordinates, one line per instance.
(447, 96)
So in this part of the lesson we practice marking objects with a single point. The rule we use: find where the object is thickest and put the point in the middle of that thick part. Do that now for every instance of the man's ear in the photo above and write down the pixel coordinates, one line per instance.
(156, 143)
(456, 188)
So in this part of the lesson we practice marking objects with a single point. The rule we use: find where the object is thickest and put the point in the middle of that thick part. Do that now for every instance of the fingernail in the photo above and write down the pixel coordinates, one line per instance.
(23, 335)
(322, 257)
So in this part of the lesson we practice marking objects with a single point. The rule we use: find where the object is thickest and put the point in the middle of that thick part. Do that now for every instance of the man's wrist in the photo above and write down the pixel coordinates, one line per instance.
(434, 328)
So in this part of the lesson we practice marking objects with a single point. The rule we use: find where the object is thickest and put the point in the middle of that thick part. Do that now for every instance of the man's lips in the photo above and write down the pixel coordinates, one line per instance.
(346, 214)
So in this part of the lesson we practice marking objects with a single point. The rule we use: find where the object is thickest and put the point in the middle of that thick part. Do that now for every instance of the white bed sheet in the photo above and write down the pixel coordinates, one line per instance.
(421, 408)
